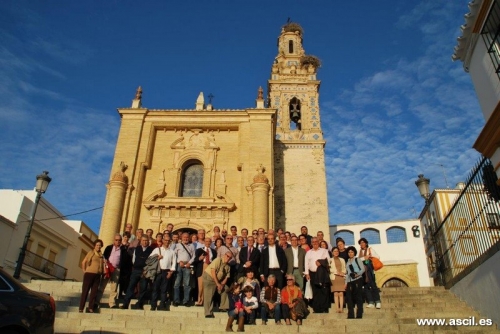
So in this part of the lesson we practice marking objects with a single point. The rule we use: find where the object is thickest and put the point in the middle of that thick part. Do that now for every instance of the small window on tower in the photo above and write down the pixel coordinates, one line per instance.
(295, 115)
(290, 46)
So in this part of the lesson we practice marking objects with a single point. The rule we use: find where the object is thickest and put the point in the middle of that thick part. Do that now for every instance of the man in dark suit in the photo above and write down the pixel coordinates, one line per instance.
(202, 258)
(249, 258)
(273, 261)
(295, 257)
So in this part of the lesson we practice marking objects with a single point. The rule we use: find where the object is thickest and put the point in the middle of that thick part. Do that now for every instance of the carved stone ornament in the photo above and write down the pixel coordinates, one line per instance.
(260, 94)
(120, 175)
(179, 143)
(260, 177)
(138, 93)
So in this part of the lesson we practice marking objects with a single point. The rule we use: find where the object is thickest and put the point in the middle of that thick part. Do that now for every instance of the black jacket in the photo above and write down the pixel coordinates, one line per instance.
(264, 260)
(141, 257)
(197, 264)
(322, 276)
(254, 257)
(107, 253)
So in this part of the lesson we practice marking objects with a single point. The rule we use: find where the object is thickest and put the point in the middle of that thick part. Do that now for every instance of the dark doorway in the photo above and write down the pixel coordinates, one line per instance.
(186, 229)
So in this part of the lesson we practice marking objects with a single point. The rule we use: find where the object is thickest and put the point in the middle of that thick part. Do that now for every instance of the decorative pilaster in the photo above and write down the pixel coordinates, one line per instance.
(260, 191)
(113, 207)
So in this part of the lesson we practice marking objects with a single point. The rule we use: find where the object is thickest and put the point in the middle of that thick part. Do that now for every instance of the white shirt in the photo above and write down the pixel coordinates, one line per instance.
(295, 252)
(169, 259)
(273, 258)
(312, 256)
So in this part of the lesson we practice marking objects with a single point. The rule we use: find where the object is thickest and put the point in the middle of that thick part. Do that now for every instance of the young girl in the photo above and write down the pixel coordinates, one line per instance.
(249, 280)
(250, 304)
(236, 308)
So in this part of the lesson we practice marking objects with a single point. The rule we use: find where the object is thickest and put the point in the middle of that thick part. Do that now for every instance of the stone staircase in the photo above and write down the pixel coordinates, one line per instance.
(400, 309)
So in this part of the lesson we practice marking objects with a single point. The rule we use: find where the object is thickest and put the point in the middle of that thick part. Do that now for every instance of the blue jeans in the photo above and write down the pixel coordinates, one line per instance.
(136, 277)
(277, 312)
(183, 275)
(233, 314)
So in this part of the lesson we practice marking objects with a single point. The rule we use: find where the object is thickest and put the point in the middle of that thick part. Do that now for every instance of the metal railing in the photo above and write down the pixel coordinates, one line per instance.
(470, 232)
(42, 264)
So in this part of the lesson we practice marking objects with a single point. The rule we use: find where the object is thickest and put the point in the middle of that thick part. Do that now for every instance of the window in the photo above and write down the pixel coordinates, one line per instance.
(372, 235)
(395, 283)
(348, 237)
(493, 219)
(290, 46)
(40, 251)
(491, 37)
(52, 255)
(396, 234)
(192, 180)
(295, 114)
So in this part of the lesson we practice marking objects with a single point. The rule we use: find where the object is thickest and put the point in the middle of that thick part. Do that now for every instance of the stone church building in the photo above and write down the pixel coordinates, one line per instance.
(204, 167)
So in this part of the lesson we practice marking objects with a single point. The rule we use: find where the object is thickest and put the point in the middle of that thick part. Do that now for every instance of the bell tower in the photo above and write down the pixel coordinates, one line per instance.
(300, 178)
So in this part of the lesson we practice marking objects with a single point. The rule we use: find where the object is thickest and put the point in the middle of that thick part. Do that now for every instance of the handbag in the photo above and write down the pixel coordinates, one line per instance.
(376, 263)
(108, 269)
(308, 294)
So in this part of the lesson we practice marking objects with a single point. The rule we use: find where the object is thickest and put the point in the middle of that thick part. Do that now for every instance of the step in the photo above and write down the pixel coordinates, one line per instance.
(400, 307)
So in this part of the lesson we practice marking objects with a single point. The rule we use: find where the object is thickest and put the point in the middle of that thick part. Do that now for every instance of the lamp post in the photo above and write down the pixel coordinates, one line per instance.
(42, 182)
(423, 187)
(422, 184)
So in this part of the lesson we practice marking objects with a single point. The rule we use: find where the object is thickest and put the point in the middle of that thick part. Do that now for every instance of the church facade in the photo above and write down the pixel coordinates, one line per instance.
(205, 167)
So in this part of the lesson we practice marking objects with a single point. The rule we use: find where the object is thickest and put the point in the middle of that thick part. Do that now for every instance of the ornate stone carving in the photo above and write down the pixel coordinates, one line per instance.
(120, 175)
(179, 143)
(260, 177)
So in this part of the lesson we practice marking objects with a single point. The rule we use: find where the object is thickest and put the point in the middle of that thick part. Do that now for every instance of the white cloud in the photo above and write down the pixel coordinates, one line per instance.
(411, 117)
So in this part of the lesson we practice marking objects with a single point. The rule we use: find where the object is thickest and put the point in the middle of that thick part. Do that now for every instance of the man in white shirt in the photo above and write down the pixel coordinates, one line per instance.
(273, 261)
(295, 258)
(168, 261)
(185, 256)
(313, 259)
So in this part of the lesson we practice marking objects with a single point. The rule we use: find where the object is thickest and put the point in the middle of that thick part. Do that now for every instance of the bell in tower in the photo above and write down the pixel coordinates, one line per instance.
(295, 113)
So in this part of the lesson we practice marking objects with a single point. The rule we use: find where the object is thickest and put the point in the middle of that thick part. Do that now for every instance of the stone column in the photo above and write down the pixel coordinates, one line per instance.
(113, 208)
(260, 192)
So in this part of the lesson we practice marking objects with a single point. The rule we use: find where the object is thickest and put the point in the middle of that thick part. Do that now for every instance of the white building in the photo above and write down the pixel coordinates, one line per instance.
(479, 50)
(399, 244)
(56, 246)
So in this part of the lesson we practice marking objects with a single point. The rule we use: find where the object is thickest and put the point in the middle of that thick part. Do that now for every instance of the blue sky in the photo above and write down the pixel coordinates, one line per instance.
(393, 104)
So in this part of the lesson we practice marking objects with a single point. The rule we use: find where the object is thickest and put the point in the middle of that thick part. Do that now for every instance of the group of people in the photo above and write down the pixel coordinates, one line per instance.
(271, 274)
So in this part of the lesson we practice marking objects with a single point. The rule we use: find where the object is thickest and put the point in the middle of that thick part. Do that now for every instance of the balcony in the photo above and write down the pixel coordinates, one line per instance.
(45, 266)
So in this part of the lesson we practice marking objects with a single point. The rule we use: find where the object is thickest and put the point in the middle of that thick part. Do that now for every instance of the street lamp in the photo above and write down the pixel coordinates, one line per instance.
(423, 187)
(42, 182)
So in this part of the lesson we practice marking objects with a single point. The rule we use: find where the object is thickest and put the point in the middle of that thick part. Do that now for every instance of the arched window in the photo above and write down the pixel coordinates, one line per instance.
(295, 114)
(348, 237)
(290, 46)
(372, 235)
(396, 234)
(395, 283)
(192, 180)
